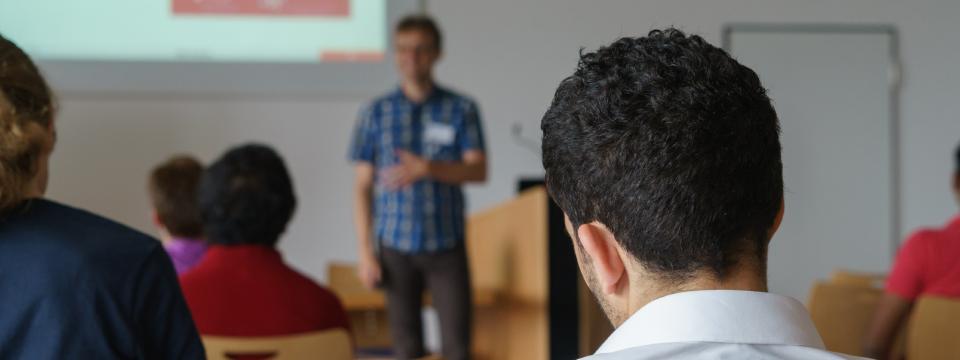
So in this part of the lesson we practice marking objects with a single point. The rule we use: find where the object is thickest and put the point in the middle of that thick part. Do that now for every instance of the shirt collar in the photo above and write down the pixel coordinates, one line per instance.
(242, 253)
(723, 316)
(187, 242)
(436, 92)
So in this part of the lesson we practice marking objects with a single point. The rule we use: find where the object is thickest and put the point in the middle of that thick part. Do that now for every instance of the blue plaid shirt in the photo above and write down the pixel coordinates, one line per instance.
(427, 216)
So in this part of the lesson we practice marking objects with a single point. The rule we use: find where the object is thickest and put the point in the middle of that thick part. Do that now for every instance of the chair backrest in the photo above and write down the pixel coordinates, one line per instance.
(842, 314)
(934, 330)
(328, 344)
(844, 277)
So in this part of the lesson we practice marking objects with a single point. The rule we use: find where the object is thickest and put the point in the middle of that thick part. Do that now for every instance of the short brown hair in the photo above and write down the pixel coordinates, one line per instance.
(173, 191)
(26, 113)
(424, 23)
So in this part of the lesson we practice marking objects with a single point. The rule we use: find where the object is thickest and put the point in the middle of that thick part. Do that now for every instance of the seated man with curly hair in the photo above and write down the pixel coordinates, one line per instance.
(664, 154)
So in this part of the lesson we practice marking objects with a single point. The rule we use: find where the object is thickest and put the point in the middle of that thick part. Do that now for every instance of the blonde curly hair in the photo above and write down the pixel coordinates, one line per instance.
(26, 116)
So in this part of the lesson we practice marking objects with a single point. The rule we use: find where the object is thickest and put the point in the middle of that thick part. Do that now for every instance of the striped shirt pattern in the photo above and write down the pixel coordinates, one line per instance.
(427, 216)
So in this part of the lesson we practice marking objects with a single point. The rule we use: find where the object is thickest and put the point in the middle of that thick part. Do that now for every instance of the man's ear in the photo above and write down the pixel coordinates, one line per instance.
(601, 247)
(778, 220)
(155, 217)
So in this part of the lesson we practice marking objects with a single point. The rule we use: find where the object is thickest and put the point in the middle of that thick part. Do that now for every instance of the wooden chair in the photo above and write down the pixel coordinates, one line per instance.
(328, 344)
(842, 314)
(934, 330)
(852, 278)
(365, 308)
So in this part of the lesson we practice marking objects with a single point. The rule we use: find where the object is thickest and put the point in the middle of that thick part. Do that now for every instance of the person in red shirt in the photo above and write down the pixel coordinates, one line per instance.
(242, 287)
(926, 264)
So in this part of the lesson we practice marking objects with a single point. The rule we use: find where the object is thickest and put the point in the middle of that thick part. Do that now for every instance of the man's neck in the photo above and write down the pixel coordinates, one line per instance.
(33, 191)
(417, 90)
(164, 235)
(744, 278)
(37, 186)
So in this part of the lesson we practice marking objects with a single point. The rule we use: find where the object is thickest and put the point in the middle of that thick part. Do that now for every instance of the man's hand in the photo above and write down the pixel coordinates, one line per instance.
(368, 270)
(410, 169)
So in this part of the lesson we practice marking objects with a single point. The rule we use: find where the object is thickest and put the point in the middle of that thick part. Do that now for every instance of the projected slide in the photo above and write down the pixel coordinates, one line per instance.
(286, 31)
(263, 7)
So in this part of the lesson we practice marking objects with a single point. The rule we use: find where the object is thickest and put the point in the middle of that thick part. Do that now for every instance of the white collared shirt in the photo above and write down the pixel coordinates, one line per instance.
(717, 324)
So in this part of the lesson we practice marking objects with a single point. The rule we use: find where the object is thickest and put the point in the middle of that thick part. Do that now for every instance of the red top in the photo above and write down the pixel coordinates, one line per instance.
(928, 263)
(247, 290)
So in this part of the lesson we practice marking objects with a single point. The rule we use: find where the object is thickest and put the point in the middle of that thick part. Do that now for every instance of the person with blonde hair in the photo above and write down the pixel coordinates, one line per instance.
(73, 285)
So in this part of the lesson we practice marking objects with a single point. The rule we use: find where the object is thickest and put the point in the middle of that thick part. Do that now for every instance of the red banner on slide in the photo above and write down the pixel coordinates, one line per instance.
(352, 56)
(262, 7)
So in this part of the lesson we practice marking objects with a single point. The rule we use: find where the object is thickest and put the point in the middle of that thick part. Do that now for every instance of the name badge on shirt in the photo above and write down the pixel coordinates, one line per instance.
(438, 134)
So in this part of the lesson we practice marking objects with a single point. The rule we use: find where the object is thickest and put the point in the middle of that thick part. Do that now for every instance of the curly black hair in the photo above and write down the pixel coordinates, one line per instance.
(674, 146)
(246, 197)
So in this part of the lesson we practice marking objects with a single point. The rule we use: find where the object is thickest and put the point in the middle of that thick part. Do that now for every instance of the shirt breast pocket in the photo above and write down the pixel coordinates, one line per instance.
(439, 142)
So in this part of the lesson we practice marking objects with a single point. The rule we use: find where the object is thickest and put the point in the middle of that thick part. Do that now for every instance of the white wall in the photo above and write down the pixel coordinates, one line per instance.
(107, 146)
(509, 55)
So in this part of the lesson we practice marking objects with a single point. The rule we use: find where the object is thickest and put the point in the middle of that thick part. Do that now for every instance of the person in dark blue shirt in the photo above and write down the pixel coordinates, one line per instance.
(73, 285)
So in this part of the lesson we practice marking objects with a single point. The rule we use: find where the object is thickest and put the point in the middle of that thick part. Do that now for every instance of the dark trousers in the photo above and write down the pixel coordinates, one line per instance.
(447, 276)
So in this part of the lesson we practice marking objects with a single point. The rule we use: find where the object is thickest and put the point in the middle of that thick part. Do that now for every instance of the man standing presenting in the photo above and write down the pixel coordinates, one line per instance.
(413, 148)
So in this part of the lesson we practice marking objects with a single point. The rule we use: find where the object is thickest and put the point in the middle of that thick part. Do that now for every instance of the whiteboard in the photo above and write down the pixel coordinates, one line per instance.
(834, 89)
